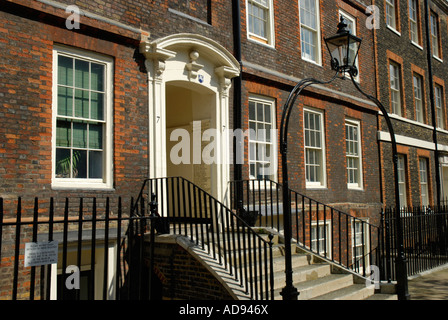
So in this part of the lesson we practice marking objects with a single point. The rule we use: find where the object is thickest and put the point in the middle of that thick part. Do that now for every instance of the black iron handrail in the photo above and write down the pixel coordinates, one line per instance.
(186, 209)
(317, 227)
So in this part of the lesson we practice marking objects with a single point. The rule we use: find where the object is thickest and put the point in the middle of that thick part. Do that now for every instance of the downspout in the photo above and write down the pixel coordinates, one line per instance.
(237, 86)
(431, 97)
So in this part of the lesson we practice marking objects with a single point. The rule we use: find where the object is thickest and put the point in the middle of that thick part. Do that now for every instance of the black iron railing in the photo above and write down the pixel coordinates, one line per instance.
(425, 239)
(184, 208)
(94, 234)
(324, 230)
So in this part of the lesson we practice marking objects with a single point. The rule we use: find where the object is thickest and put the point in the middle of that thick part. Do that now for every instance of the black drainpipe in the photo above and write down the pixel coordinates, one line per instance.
(431, 97)
(237, 84)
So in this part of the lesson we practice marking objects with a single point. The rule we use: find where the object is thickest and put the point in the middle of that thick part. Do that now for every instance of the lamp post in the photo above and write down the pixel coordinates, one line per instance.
(343, 48)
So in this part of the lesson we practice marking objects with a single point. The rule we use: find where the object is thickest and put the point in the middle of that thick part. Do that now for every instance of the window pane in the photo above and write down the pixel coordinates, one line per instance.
(81, 103)
(81, 74)
(97, 106)
(80, 164)
(79, 135)
(63, 133)
(95, 164)
(97, 77)
(65, 101)
(252, 110)
(65, 71)
(259, 112)
(95, 136)
(63, 163)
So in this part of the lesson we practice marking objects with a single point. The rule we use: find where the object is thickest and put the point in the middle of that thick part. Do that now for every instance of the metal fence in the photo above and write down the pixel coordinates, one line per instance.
(348, 241)
(425, 239)
(93, 239)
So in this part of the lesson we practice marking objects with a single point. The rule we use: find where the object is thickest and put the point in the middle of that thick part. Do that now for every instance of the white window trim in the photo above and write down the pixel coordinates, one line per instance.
(366, 244)
(395, 16)
(270, 27)
(327, 225)
(107, 181)
(414, 22)
(323, 183)
(439, 106)
(422, 111)
(423, 184)
(404, 182)
(318, 60)
(400, 103)
(436, 36)
(360, 184)
(274, 164)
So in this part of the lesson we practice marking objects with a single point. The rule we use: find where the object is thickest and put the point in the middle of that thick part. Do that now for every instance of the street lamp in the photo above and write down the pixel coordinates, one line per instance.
(343, 48)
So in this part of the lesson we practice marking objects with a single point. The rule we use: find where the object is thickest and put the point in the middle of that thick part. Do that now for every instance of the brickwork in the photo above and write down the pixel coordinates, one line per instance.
(392, 46)
(183, 277)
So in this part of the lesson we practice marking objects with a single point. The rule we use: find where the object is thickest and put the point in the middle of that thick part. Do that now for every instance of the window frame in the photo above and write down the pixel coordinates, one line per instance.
(355, 244)
(354, 124)
(434, 17)
(106, 181)
(316, 32)
(424, 194)
(392, 4)
(415, 22)
(402, 179)
(419, 100)
(269, 40)
(325, 238)
(273, 143)
(440, 106)
(322, 183)
(397, 89)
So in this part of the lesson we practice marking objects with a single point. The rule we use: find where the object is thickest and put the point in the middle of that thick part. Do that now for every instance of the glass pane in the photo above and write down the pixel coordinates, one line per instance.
(252, 131)
(79, 135)
(97, 106)
(97, 77)
(95, 136)
(252, 151)
(252, 110)
(65, 71)
(267, 113)
(95, 164)
(65, 101)
(252, 170)
(259, 112)
(63, 163)
(81, 74)
(268, 133)
(81, 103)
(80, 164)
(63, 133)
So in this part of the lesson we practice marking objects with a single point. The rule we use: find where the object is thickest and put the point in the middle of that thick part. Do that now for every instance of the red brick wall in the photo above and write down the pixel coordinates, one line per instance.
(26, 95)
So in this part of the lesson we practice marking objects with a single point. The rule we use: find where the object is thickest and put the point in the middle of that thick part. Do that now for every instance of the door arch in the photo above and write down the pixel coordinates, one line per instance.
(189, 64)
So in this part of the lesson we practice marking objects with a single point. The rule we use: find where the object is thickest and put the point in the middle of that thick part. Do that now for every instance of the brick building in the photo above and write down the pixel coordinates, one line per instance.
(94, 108)
(414, 92)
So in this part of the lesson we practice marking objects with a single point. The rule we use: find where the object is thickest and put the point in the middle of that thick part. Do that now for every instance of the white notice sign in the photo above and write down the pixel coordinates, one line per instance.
(41, 253)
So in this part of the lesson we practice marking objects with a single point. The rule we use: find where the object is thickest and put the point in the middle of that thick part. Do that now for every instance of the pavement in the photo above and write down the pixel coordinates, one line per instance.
(430, 285)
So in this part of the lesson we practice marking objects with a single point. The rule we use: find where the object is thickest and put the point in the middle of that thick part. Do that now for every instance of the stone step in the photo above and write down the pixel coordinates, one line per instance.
(302, 273)
(353, 292)
(322, 285)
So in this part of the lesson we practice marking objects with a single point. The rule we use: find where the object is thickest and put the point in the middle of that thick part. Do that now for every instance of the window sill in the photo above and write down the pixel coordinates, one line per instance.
(78, 185)
(417, 45)
(437, 58)
(313, 62)
(260, 42)
(394, 31)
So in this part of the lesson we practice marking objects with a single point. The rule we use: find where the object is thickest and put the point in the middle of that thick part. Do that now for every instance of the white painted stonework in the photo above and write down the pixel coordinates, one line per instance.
(195, 64)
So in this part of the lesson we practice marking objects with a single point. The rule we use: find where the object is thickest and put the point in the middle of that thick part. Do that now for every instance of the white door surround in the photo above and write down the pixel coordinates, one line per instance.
(196, 59)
